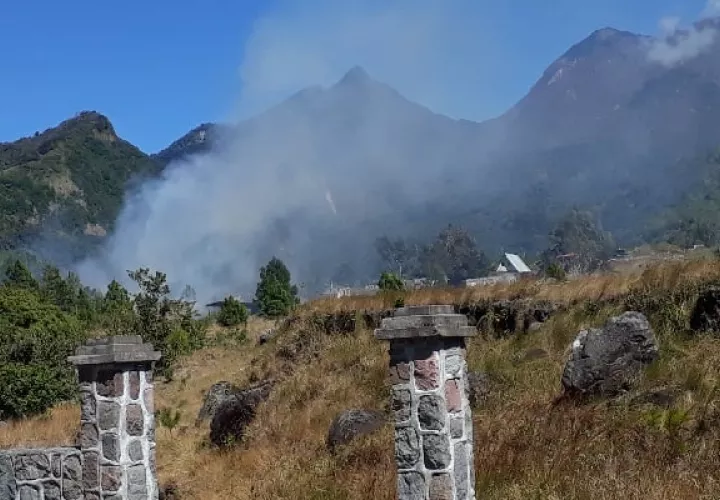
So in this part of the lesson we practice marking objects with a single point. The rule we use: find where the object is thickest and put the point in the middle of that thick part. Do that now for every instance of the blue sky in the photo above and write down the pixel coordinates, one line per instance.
(159, 68)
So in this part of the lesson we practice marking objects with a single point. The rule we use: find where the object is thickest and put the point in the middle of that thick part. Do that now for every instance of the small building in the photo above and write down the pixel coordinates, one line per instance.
(510, 269)
(348, 291)
(515, 264)
(418, 283)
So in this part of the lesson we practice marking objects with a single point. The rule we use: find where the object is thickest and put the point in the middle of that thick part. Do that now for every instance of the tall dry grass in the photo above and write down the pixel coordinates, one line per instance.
(527, 445)
(598, 287)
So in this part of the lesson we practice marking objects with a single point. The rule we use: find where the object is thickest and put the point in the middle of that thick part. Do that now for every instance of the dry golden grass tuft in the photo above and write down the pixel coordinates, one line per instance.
(527, 445)
(598, 287)
(58, 428)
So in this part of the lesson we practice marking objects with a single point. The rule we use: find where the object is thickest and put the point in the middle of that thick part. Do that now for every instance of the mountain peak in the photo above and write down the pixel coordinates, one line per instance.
(355, 76)
(88, 121)
(605, 33)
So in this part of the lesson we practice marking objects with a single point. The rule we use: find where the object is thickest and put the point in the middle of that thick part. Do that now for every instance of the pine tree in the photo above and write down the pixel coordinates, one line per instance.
(20, 276)
(275, 295)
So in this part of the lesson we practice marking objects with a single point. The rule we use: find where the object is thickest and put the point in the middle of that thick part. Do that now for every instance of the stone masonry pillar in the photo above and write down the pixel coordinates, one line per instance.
(117, 434)
(433, 420)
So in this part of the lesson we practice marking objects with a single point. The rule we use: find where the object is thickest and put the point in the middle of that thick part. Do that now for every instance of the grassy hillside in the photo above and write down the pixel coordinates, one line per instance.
(661, 441)
(69, 180)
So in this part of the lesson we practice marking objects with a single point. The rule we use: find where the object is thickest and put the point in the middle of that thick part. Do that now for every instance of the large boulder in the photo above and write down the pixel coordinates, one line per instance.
(214, 397)
(605, 361)
(236, 412)
(351, 424)
(705, 316)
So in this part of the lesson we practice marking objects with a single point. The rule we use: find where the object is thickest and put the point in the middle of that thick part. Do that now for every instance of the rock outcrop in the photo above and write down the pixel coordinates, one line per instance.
(236, 412)
(706, 313)
(214, 397)
(351, 424)
(605, 361)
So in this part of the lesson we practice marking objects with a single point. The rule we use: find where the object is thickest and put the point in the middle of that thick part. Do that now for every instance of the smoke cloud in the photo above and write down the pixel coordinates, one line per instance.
(676, 44)
(280, 183)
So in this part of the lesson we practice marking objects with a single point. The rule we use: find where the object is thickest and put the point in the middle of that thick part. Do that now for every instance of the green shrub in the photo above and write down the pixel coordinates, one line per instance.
(35, 339)
(232, 312)
(168, 324)
(27, 390)
(556, 271)
(390, 281)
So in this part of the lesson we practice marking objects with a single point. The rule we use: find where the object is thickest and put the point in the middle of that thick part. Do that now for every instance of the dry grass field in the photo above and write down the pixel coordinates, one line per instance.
(659, 442)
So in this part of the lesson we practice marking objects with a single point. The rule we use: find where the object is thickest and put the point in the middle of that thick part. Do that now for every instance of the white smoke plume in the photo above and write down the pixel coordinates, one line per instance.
(214, 219)
(677, 44)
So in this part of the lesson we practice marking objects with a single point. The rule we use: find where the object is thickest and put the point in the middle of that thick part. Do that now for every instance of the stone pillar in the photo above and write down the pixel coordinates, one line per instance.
(117, 435)
(433, 420)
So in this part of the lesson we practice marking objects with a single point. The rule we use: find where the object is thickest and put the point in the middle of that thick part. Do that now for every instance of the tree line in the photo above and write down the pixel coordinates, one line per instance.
(44, 318)
(454, 256)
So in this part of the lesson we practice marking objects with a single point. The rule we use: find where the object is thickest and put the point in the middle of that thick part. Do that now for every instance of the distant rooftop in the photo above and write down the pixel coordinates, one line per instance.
(517, 263)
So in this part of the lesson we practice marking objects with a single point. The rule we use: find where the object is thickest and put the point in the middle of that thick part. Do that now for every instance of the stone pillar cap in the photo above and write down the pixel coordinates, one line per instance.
(424, 321)
(118, 349)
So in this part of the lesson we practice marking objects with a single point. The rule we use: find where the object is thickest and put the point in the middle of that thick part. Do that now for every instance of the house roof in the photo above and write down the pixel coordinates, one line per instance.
(517, 263)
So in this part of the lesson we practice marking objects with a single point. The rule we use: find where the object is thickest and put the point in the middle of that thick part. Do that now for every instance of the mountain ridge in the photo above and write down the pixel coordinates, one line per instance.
(595, 130)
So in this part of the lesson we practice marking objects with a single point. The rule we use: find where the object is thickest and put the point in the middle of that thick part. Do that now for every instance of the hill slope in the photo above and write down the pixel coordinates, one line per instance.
(657, 441)
(65, 186)
(324, 173)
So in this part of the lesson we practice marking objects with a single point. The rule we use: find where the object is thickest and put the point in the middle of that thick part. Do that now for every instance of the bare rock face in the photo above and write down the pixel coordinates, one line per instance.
(351, 424)
(605, 361)
(235, 413)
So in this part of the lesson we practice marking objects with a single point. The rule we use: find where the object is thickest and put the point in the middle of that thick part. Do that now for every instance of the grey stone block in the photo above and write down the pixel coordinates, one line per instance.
(134, 420)
(91, 471)
(51, 490)
(72, 489)
(56, 465)
(441, 487)
(109, 383)
(461, 471)
(28, 492)
(136, 475)
(425, 331)
(88, 406)
(32, 466)
(108, 415)
(148, 399)
(88, 435)
(110, 477)
(456, 427)
(135, 451)
(401, 403)
(407, 447)
(431, 413)
(8, 487)
(436, 448)
(423, 310)
(438, 321)
(112, 350)
(411, 486)
(453, 365)
(134, 382)
(111, 447)
(72, 468)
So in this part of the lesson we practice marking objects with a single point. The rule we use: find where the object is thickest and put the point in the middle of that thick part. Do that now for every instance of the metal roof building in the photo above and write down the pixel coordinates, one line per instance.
(517, 263)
